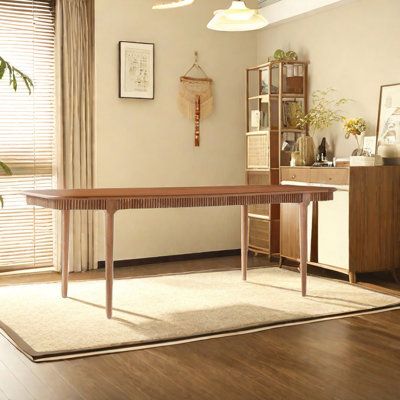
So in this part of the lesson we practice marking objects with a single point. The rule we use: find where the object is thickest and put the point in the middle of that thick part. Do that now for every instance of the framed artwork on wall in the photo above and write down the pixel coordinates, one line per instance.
(388, 130)
(136, 70)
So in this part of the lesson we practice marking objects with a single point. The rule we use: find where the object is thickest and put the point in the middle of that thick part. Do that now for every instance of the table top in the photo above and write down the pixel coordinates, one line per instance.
(109, 193)
(175, 197)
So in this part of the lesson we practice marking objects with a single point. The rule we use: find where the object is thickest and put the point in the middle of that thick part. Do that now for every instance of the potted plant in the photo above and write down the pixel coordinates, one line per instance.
(357, 127)
(14, 74)
(324, 112)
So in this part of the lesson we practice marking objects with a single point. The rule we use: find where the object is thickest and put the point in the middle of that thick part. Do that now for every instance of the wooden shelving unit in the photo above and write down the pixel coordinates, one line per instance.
(273, 91)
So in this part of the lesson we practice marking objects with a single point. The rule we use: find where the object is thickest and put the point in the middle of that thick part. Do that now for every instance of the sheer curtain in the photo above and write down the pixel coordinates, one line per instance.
(75, 121)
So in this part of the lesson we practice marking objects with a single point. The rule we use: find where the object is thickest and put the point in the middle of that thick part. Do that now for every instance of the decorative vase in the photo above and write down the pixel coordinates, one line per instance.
(359, 150)
(306, 147)
(295, 159)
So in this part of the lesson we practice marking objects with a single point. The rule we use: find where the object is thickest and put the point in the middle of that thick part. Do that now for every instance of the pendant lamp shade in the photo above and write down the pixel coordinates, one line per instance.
(237, 18)
(163, 5)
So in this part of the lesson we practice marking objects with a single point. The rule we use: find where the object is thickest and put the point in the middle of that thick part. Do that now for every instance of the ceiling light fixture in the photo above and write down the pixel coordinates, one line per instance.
(172, 4)
(237, 18)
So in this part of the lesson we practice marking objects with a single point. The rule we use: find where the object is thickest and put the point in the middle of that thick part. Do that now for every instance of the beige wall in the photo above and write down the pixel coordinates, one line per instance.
(353, 48)
(148, 143)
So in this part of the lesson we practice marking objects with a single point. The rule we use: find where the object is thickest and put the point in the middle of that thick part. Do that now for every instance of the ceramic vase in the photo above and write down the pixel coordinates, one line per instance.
(305, 145)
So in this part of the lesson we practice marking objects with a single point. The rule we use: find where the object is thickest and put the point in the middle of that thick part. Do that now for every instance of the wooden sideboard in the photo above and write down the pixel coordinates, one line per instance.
(359, 231)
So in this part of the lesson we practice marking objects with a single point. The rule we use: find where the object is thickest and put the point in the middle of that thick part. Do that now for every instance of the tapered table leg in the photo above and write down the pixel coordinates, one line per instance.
(64, 254)
(109, 258)
(244, 240)
(303, 243)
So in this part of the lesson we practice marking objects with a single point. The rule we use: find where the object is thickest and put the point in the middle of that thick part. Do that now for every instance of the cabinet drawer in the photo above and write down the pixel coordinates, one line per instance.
(330, 176)
(295, 174)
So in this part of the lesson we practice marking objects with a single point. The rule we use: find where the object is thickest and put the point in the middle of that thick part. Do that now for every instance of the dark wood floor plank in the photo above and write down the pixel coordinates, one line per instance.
(47, 373)
(89, 381)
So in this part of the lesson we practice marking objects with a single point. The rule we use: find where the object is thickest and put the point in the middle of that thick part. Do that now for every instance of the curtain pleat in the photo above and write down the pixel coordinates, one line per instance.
(75, 121)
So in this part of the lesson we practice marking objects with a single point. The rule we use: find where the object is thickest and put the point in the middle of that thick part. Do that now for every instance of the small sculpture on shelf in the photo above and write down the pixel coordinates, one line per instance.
(321, 157)
(322, 160)
(281, 55)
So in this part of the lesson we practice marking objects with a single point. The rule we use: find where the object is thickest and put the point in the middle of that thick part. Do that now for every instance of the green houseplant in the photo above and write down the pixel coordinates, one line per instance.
(14, 75)
(325, 111)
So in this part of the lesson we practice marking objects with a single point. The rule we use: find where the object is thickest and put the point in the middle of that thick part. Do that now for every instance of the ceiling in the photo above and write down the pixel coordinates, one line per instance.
(264, 3)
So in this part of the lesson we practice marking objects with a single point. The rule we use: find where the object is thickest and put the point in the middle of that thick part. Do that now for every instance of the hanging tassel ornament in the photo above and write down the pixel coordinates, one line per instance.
(196, 98)
(197, 123)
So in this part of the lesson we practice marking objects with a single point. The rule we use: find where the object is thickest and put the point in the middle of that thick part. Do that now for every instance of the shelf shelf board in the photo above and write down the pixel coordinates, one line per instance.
(261, 169)
(285, 96)
(261, 96)
(275, 64)
(259, 216)
(292, 96)
(259, 250)
(263, 217)
(293, 130)
(257, 133)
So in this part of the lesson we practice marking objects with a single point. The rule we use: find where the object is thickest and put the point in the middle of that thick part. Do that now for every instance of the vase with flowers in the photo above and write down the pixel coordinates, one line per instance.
(325, 111)
(355, 127)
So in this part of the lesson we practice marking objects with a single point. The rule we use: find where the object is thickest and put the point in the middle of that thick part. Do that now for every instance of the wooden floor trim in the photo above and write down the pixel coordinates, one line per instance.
(172, 258)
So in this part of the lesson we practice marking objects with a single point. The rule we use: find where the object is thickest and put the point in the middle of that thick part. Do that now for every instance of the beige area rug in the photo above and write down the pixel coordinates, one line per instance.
(170, 309)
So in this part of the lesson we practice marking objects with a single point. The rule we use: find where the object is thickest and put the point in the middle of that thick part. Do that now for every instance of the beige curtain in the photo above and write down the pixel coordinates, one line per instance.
(75, 120)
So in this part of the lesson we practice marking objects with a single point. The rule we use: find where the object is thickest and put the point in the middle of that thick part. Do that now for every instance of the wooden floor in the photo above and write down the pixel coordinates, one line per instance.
(346, 359)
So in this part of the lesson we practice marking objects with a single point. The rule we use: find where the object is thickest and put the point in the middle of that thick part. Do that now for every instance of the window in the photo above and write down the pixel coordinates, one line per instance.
(27, 132)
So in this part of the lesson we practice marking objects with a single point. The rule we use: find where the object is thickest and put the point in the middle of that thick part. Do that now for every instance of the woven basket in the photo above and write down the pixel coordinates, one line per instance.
(257, 151)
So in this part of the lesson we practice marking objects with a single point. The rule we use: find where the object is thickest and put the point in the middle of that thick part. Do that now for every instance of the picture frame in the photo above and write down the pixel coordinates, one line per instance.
(388, 126)
(136, 70)
(369, 145)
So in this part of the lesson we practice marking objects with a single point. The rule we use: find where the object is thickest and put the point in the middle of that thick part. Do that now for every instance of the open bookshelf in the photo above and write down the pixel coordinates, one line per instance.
(275, 92)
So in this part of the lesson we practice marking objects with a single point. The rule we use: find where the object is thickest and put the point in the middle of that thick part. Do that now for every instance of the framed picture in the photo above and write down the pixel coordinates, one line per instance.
(388, 129)
(136, 72)
(369, 145)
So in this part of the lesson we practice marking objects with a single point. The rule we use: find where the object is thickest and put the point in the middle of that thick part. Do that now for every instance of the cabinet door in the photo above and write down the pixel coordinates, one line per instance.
(290, 247)
(333, 230)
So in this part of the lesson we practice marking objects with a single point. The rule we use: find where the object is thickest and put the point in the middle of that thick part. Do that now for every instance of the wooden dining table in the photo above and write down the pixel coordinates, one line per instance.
(112, 200)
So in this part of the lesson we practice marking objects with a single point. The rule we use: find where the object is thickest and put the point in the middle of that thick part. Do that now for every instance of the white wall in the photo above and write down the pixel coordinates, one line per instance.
(353, 48)
(148, 143)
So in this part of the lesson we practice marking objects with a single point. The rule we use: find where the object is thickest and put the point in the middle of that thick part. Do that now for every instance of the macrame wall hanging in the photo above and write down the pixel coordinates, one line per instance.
(195, 97)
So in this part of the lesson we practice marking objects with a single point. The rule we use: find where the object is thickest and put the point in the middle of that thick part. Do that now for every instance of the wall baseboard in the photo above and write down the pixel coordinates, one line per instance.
(178, 257)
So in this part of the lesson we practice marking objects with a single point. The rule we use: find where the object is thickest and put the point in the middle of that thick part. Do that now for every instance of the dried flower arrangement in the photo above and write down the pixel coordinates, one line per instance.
(324, 112)
(355, 127)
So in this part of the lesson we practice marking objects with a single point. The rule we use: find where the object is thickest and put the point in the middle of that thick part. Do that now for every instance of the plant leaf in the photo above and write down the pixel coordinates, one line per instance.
(2, 68)
(27, 84)
(14, 74)
(14, 81)
(5, 168)
(1, 201)
(10, 71)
